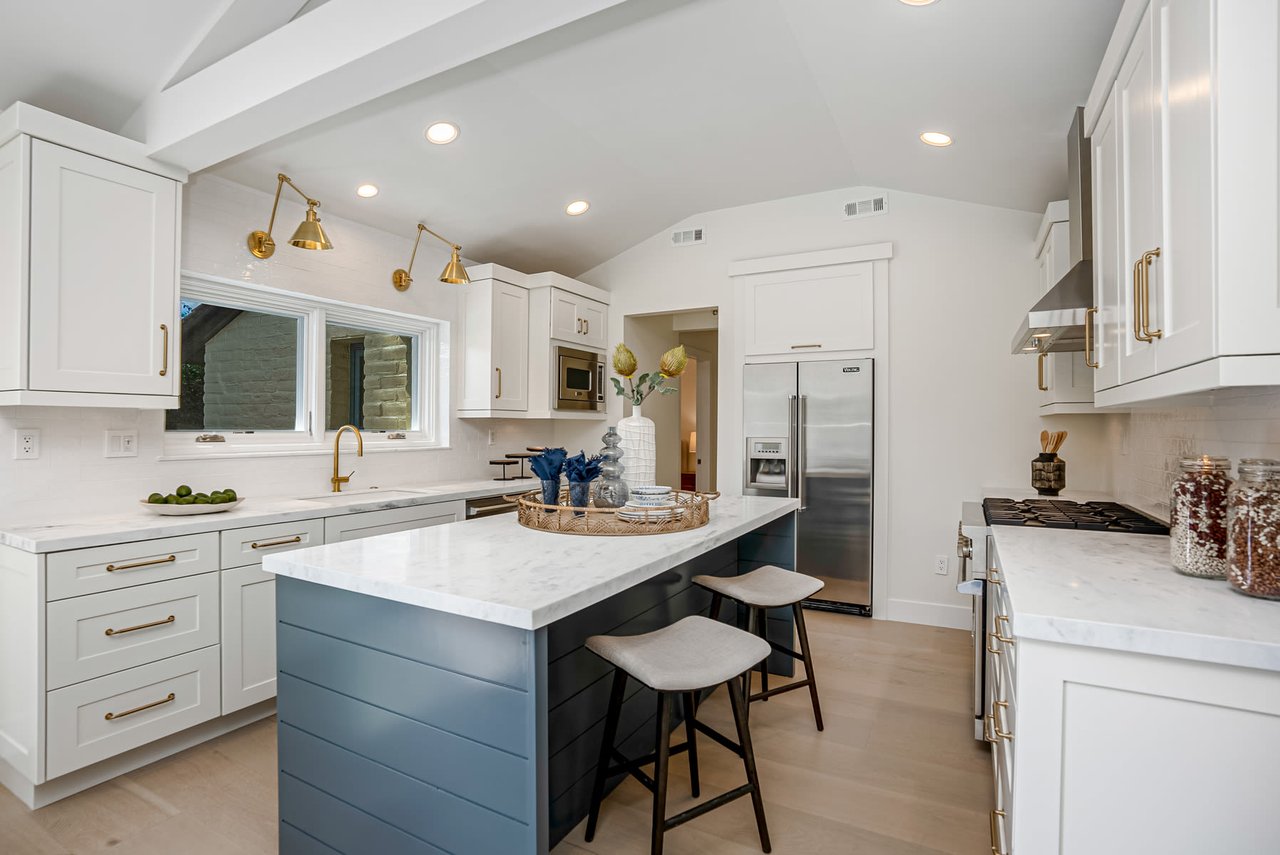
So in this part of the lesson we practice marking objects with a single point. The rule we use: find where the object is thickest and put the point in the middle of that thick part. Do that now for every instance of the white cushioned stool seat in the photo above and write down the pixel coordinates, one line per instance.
(768, 587)
(692, 653)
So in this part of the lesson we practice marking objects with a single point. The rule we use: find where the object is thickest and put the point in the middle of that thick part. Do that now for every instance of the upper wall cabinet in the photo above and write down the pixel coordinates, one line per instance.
(1183, 124)
(1064, 380)
(579, 320)
(814, 310)
(495, 347)
(88, 271)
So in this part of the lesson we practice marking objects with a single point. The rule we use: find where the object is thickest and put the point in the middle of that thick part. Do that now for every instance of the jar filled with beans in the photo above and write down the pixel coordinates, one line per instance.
(1253, 529)
(1198, 517)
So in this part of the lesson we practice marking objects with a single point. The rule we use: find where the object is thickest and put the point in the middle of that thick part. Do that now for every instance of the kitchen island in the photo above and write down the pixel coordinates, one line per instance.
(434, 692)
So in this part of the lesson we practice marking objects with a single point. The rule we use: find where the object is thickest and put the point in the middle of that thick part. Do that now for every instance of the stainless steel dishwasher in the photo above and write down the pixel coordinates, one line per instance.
(489, 506)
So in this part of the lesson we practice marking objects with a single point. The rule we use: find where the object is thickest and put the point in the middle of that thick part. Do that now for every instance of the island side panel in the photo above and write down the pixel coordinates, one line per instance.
(578, 681)
(773, 543)
(406, 730)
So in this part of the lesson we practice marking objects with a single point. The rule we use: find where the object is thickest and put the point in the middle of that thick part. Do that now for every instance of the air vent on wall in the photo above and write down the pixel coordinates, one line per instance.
(687, 237)
(872, 207)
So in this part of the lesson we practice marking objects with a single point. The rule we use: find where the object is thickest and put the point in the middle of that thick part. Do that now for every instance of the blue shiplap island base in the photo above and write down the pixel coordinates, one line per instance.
(405, 729)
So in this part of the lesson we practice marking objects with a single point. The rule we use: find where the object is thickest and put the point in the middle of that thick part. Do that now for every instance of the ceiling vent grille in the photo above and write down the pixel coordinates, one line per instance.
(872, 207)
(687, 237)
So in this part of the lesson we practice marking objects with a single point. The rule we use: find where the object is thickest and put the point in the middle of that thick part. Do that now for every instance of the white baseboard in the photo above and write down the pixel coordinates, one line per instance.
(930, 614)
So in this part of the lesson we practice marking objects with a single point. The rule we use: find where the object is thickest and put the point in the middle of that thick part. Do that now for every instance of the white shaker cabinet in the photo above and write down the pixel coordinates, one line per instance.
(249, 637)
(495, 347)
(813, 310)
(1108, 321)
(578, 320)
(1064, 380)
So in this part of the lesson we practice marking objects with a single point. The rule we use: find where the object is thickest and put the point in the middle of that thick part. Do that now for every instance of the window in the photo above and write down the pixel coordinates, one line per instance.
(266, 370)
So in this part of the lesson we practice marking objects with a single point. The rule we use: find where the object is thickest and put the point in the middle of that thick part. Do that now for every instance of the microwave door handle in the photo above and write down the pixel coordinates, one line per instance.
(599, 381)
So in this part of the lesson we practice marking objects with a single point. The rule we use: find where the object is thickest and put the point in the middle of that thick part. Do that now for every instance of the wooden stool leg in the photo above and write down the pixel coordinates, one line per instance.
(606, 748)
(752, 616)
(808, 663)
(716, 600)
(762, 624)
(660, 769)
(691, 735)
(740, 704)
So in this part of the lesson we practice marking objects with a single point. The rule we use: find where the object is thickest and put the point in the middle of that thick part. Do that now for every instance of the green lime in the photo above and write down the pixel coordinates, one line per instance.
(186, 500)
(202, 495)
(230, 494)
(171, 499)
(183, 491)
(156, 498)
(217, 499)
(203, 500)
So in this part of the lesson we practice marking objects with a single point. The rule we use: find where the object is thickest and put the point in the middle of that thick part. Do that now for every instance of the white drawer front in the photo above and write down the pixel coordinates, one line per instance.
(143, 705)
(99, 634)
(242, 547)
(107, 568)
(371, 523)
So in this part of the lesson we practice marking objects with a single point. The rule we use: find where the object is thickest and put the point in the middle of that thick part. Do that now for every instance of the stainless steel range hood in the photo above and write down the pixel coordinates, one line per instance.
(1055, 324)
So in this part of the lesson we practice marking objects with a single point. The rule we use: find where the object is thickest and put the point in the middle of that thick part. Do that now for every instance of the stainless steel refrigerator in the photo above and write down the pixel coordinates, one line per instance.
(808, 429)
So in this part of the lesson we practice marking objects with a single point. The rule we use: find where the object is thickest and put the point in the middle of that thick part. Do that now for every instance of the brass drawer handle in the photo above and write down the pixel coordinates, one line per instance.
(1040, 384)
(996, 708)
(803, 346)
(1137, 303)
(164, 328)
(1147, 258)
(987, 732)
(111, 568)
(991, 638)
(169, 619)
(1089, 315)
(999, 633)
(499, 395)
(996, 816)
(112, 716)
(270, 543)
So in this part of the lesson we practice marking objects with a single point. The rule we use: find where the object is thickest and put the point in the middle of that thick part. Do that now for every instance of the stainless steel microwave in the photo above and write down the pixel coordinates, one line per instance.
(579, 379)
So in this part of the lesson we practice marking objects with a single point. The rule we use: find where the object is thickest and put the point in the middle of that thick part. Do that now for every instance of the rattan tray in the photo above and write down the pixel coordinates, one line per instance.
(693, 511)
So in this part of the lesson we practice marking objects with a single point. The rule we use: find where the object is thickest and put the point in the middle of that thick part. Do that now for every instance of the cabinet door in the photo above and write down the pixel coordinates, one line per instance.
(565, 322)
(1109, 329)
(810, 311)
(372, 523)
(1182, 278)
(1137, 100)
(248, 637)
(103, 276)
(595, 323)
(510, 347)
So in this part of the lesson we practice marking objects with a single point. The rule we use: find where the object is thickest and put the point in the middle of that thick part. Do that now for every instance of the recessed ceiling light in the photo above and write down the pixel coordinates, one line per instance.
(936, 138)
(367, 191)
(918, 2)
(442, 133)
(577, 208)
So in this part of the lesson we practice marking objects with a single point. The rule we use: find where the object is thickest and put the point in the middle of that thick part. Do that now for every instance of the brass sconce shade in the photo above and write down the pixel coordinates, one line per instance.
(309, 234)
(453, 274)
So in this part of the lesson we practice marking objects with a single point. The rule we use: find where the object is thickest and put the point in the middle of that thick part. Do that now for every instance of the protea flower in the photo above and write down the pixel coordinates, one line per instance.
(673, 362)
(624, 361)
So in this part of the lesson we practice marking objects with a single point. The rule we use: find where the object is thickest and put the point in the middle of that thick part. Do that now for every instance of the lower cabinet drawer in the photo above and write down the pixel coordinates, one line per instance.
(99, 634)
(100, 718)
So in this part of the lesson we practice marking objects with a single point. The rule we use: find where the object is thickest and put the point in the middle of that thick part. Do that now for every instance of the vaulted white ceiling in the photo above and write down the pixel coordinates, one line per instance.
(653, 110)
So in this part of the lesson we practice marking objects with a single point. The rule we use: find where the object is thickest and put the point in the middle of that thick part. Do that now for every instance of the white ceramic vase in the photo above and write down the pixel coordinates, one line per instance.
(640, 449)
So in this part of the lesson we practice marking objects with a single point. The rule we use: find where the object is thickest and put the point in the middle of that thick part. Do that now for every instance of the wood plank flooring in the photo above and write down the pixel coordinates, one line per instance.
(897, 772)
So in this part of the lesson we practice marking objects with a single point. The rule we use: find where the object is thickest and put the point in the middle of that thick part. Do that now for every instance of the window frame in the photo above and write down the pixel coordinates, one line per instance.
(310, 436)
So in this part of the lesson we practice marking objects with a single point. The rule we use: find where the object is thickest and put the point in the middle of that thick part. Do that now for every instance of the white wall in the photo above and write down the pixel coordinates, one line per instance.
(72, 477)
(963, 410)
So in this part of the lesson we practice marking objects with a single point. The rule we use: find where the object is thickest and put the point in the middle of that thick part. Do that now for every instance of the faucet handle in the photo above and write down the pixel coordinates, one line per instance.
(347, 477)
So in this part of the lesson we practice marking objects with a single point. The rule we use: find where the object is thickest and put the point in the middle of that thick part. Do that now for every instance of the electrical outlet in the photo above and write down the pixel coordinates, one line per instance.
(26, 444)
(121, 443)
(941, 565)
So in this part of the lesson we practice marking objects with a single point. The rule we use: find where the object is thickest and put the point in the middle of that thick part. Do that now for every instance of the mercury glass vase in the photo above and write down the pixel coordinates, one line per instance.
(611, 491)
(639, 446)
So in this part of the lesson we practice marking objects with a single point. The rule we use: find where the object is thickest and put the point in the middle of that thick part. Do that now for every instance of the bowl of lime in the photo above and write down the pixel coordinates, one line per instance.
(184, 502)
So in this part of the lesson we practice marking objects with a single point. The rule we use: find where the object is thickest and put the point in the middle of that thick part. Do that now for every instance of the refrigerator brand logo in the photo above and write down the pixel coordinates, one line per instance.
(852, 370)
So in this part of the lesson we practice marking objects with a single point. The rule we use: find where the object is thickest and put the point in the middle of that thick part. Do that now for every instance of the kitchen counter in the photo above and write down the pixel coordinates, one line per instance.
(137, 523)
(498, 571)
(1119, 592)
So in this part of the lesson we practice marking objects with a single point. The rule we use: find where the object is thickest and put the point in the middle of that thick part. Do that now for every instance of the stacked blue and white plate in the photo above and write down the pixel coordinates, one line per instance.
(651, 504)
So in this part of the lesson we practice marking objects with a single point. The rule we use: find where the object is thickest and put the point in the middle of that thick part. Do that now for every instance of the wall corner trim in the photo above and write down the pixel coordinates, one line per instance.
(819, 258)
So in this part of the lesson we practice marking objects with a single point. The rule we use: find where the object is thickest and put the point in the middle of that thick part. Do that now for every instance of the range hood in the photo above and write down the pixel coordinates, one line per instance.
(1055, 323)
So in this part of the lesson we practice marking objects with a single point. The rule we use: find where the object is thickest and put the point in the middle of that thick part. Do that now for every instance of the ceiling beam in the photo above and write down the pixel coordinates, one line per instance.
(240, 22)
(342, 54)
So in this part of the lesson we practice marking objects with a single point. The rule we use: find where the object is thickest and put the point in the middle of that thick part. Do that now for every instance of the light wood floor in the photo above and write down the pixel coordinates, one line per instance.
(897, 772)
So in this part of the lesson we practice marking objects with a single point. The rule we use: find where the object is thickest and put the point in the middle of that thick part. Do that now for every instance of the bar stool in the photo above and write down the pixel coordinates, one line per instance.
(690, 655)
(770, 587)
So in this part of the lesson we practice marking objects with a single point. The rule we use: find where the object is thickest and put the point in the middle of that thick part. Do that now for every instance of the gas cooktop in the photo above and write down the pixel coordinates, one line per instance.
(1059, 513)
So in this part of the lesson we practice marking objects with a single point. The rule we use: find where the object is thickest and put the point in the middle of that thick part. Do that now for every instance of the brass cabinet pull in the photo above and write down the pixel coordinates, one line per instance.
(1147, 258)
(164, 328)
(996, 816)
(499, 395)
(1040, 384)
(579, 326)
(1089, 359)
(803, 346)
(270, 543)
(111, 568)
(1006, 639)
(986, 729)
(1137, 303)
(586, 326)
(112, 716)
(169, 619)
(996, 708)
(991, 639)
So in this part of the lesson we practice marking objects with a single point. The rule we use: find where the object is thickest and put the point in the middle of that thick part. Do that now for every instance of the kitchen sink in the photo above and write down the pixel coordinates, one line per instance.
(368, 493)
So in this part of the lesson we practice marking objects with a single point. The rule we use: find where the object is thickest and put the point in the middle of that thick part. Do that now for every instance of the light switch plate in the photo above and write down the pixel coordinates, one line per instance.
(121, 443)
(26, 444)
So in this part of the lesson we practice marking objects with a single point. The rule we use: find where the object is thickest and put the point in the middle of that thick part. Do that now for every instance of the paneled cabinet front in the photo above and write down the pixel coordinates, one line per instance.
(103, 276)
(579, 320)
(814, 310)
(495, 345)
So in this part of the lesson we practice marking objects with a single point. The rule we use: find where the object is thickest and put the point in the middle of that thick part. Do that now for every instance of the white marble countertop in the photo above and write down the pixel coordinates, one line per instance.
(137, 523)
(1119, 591)
(496, 570)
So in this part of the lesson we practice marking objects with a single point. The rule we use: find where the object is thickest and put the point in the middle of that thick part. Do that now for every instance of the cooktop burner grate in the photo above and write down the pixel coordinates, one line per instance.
(1060, 513)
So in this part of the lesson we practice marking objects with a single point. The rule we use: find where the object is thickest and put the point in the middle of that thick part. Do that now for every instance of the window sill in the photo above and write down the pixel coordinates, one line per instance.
(184, 451)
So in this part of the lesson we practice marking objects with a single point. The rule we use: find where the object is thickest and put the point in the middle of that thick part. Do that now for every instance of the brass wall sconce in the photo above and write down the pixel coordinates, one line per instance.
(308, 235)
(453, 274)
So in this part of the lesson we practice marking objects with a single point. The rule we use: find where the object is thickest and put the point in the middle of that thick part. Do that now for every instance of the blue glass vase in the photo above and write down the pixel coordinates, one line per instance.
(551, 492)
(579, 495)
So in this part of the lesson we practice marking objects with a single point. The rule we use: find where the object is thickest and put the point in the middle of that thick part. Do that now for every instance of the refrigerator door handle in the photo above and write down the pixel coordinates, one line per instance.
(803, 445)
(793, 451)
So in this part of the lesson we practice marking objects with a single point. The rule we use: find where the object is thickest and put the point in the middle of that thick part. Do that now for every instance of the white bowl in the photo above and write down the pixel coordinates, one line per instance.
(651, 490)
(188, 510)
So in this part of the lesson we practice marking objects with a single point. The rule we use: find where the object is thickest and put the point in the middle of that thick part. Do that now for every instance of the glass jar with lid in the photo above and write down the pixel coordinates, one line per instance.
(1253, 529)
(1198, 517)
